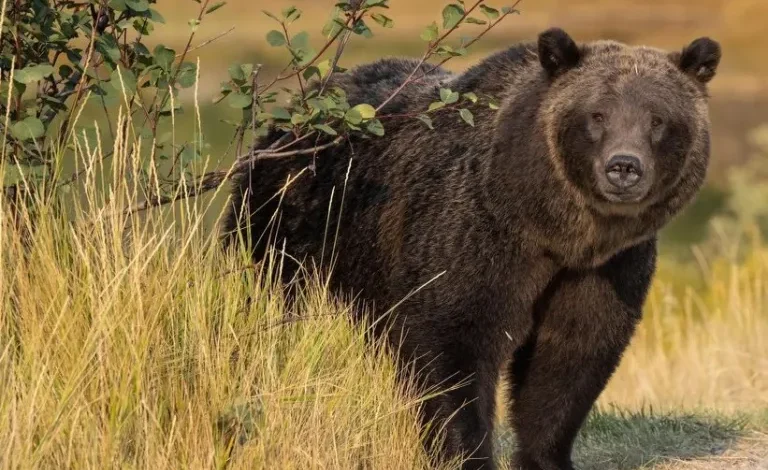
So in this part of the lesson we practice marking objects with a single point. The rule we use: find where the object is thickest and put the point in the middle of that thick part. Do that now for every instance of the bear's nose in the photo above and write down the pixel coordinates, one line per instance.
(624, 171)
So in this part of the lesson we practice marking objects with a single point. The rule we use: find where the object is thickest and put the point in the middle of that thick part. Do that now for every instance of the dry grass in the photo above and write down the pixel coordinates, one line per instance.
(129, 341)
(705, 346)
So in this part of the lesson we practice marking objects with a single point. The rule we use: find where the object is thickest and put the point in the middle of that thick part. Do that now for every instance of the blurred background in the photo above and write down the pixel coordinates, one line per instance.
(739, 105)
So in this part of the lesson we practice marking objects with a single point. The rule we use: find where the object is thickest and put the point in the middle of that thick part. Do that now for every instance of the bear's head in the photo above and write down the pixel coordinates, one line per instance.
(627, 126)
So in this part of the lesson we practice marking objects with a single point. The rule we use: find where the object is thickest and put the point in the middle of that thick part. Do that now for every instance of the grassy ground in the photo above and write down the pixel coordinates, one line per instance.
(131, 341)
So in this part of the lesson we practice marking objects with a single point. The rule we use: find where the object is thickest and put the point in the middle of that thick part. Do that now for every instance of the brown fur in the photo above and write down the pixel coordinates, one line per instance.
(499, 242)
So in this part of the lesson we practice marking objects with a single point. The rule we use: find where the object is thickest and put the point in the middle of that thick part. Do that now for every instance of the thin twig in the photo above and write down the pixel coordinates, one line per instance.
(430, 52)
(491, 25)
(208, 41)
(292, 153)
(175, 76)
(280, 77)
(335, 61)
(214, 179)
(255, 98)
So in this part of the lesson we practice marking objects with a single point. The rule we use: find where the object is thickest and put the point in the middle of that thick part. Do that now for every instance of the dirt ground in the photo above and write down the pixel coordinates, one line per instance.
(749, 453)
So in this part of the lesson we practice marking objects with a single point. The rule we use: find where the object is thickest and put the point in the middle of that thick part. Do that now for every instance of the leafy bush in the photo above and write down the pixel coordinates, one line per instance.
(57, 56)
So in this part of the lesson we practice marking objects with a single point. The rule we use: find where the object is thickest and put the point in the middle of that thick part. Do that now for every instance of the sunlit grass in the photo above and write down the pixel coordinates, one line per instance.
(126, 340)
(132, 340)
(704, 340)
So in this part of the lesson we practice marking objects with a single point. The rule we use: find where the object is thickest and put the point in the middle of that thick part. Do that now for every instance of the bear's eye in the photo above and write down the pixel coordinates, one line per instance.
(656, 122)
(598, 117)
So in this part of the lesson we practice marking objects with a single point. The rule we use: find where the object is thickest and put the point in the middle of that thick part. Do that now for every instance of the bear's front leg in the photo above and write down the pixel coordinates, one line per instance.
(582, 325)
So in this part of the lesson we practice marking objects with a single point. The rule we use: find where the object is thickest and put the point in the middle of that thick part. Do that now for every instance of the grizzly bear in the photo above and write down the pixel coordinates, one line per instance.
(522, 247)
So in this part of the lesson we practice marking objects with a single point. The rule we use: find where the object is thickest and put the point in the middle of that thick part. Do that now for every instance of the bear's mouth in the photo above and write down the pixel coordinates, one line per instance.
(624, 197)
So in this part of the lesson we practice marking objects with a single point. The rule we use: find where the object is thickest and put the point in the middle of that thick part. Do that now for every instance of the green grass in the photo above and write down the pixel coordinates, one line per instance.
(627, 440)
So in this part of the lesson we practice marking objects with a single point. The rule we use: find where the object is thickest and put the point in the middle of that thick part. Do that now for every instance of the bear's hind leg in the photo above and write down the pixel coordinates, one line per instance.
(460, 416)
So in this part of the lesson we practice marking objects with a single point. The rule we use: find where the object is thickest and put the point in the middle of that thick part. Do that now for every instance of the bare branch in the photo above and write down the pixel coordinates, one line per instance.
(214, 179)
(431, 51)
(207, 41)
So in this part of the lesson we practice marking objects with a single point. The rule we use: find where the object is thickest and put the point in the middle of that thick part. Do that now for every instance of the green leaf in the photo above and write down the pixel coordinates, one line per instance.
(128, 82)
(107, 44)
(214, 7)
(489, 12)
(141, 26)
(247, 70)
(447, 96)
(271, 15)
(452, 15)
(332, 27)
(280, 113)
(187, 74)
(301, 49)
(239, 100)
(236, 72)
(324, 67)
(325, 128)
(310, 71)
(352, 116)
(475, 21)
(467, 116)
(383, 20)
(193, 23)
(430, 33)
(65, 71)
(28, 129)
(32, 73)
(436, 105)
(23, 76)
(164, 57)
(155, 16)
(167, 108)
(366, 111)
(471, 97)
(375, 127)
(509, 10)
(137, 5)
(375, 3)
(426, 120)
(44, 69)
(275, 38)
(493, 104)
(444, 50)
(298, 119)
(291, 14)
(300, 40)
(362, 29)
(117, 5)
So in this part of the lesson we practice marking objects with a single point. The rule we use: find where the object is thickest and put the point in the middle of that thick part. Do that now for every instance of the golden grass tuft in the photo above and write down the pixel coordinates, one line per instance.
(133, 341)
(706, 346)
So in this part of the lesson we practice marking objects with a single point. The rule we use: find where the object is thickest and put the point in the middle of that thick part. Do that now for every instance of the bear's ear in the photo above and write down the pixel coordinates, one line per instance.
(699, 59)
(557, 52)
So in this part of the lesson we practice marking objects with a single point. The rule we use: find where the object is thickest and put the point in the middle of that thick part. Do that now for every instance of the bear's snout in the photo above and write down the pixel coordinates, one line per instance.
(624, 171)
